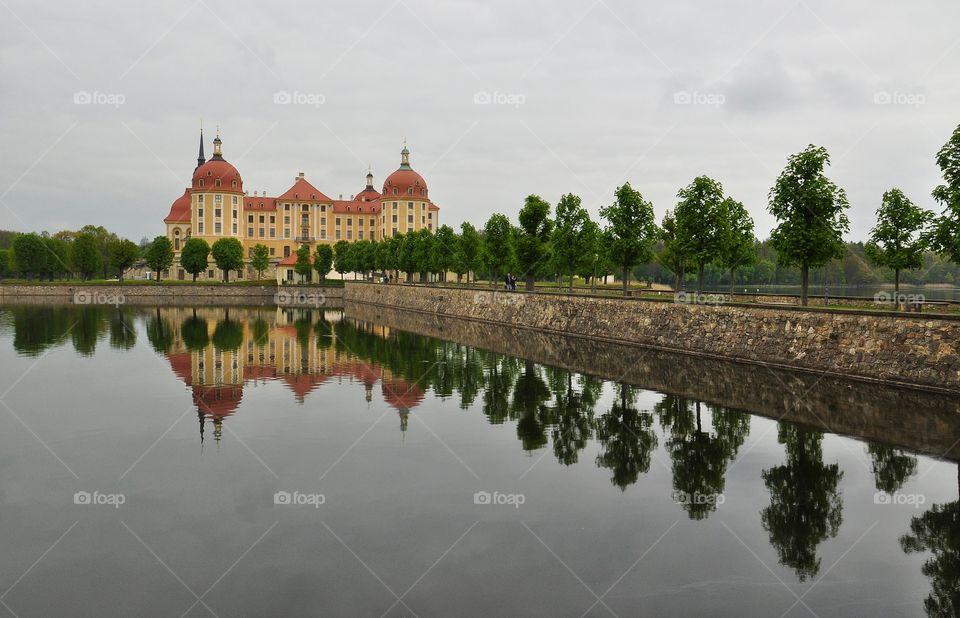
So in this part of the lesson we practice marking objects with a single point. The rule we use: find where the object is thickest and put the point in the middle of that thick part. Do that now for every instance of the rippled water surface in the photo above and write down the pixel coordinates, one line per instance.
(265, 462)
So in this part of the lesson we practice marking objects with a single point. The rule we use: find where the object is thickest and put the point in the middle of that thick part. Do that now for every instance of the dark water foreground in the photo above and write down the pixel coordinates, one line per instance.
(177, 461)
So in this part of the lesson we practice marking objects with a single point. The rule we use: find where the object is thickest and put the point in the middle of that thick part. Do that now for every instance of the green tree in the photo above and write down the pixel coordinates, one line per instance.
(193, 256)
(809, 209)
(469, 252)
(533, 244)
(498, 251)
(631, 230)
(86, 256)
(323, 260)
(698, 220)
(891, 467)
(303, 266)
(341, 252)
(897, 240)
(671, 254)
(626, 438)
(738, 245)
(945, 235)
(159, 255)
(260, 259)
(445, 247)
(568, 237)
(123, 255)
(57, 257)
(5, 263)
(228, 254)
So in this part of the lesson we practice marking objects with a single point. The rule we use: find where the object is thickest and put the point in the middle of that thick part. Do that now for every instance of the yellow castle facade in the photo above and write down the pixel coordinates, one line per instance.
(216, 206)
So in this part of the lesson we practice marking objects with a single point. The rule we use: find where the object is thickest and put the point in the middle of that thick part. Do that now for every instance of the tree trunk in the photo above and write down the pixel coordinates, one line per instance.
(733, 281)
(158, 276)
(571, 283)
(804, 284)
(194, 277)
(529, 282)
(896, 282)
(226, 276)
(626, 273)
(700, 269)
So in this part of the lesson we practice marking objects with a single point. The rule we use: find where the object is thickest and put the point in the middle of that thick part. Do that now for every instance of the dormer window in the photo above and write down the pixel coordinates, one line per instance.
(409, 190)
(395, 192)
(234, 184)
(216, 182)
(201, 182)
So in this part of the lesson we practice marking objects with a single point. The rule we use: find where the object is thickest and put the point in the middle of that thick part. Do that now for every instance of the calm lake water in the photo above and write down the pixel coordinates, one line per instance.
(266, 462)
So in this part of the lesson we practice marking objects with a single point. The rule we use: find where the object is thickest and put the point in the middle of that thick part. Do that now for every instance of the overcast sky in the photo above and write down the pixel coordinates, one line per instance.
(101, 101)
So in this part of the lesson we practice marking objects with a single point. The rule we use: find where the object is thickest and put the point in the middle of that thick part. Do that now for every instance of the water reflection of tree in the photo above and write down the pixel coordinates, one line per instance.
(626, 437)
(573, 411)
(938, 531)
(87, 330)
(700, 457)
(123, 336)
(805, 506)
(35, 329)
(530, 394)
(159, 333)
(228, 335)
(891, 467)
(195, 334)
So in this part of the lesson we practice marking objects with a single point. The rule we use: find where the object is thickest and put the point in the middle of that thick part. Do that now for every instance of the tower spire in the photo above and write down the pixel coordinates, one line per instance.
(369, 177)
(405, 156)
(217, 153)
(201, 159)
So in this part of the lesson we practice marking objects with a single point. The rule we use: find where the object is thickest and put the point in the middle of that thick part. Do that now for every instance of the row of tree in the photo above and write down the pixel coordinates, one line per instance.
(706, 230)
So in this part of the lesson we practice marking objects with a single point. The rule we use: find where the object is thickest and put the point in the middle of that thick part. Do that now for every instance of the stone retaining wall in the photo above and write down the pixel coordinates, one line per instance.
(917, 351)
(174, 294)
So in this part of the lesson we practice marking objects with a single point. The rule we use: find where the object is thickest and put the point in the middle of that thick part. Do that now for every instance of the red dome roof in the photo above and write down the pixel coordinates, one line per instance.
(217, 169)
(180, 209)
(407, 182)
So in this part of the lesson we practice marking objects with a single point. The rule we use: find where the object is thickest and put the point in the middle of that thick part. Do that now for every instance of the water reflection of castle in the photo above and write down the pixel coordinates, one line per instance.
(217, 355)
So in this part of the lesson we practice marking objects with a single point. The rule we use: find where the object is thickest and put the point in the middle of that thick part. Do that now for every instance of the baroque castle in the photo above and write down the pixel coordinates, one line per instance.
(216, 206)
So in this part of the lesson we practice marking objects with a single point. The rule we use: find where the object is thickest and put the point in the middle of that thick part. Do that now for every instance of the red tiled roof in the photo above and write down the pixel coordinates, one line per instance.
(259, 203)
(181, 364)
(353, 206)
(180, 209)
(305, 192)
(290, 260)
(303, 384)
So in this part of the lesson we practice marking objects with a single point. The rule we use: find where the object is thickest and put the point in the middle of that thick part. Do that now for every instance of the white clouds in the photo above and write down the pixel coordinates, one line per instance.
(598, 83)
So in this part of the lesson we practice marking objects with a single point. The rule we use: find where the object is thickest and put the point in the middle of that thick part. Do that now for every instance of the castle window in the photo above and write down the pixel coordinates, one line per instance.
(272, 251)
(216, 183)
(216, 228)
(249, 218)
(272, 219)
(261, 218)
(200, 212)
(200, 228)
(234, 200)
(304, 208)
(338, 235)
(261, 232)
(395, 192)
(250, 232)
(234, 227)
(409, 190)
(217, 213)
(200, 184)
